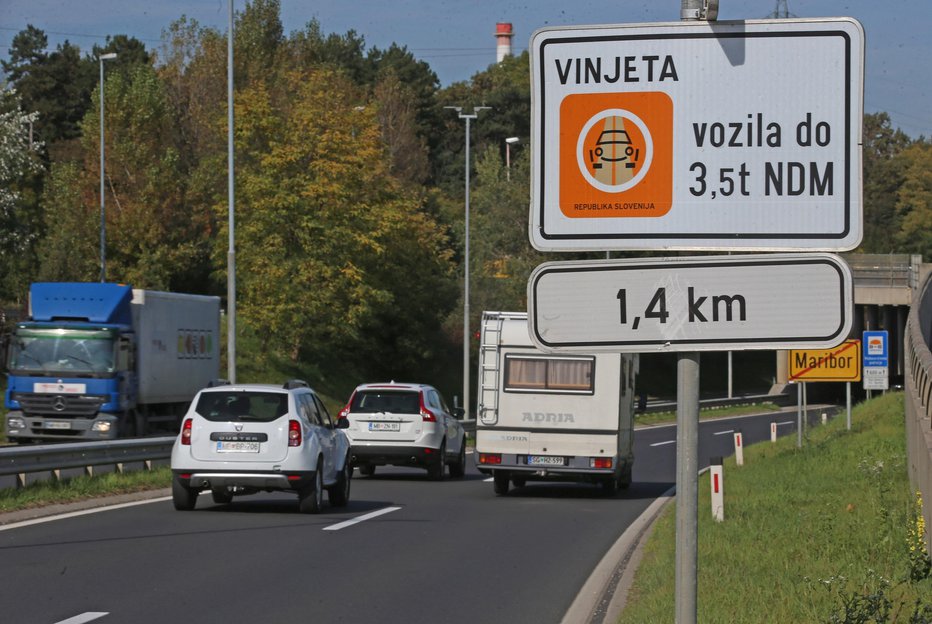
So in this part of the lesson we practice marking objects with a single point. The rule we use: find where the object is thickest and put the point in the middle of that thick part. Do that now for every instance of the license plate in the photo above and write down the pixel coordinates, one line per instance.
(57, 424)
(544, 460)
(384, 426)
(237, 447)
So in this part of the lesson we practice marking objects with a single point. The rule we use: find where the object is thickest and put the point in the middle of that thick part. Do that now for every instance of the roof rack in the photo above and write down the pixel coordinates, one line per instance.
(295, 383)
(213, 383)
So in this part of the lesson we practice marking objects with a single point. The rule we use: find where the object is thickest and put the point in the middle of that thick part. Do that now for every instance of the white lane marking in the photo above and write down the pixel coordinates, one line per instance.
(84, 512)
(723, 432)
(786, 422)
(85, 617)
(664, 443)
(368, 516)
(489, 480)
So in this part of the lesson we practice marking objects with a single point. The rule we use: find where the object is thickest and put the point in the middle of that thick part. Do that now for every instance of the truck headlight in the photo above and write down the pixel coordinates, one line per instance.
(15, 422)
(102, 426)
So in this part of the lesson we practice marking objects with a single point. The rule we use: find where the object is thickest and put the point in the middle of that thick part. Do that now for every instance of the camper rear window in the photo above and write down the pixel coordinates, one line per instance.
(557, 375)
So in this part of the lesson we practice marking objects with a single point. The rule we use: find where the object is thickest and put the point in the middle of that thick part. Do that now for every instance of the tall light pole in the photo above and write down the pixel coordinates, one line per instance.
(468, 118)
(231, 250)
(103, 224)
(508, 143)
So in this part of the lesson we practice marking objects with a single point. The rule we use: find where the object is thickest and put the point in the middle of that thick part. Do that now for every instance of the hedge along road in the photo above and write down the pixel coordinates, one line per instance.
(450, 551)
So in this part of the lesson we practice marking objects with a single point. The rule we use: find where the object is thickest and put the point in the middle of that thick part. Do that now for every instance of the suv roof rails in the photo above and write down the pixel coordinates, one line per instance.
(213, 383)
(295, 383)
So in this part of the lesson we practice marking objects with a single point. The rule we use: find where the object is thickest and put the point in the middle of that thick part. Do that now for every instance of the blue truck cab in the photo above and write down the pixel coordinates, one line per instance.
(73, 366)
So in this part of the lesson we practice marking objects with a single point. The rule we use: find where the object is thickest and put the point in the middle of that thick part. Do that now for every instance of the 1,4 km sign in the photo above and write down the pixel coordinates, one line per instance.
(689, 304)
(710, 135)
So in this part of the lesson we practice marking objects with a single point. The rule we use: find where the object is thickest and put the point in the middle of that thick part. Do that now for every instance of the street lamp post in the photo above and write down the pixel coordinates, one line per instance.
(468, 118)
(508, 143)
(103, 224)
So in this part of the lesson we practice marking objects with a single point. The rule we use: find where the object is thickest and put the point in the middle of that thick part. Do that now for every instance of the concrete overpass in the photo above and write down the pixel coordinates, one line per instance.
(884, 287)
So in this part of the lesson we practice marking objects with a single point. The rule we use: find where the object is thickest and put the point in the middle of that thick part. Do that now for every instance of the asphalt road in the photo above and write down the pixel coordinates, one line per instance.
(431, 552)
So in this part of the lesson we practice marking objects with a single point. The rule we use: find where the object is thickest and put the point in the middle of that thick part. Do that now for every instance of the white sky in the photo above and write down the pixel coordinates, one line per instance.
(456, 37)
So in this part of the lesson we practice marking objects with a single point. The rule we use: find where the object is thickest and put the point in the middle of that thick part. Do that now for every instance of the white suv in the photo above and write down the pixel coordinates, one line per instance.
(245, 438)
(404, 424)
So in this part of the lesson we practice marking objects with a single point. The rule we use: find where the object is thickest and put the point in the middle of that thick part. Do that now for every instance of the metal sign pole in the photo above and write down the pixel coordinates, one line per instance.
(687, 445)
(687, 485)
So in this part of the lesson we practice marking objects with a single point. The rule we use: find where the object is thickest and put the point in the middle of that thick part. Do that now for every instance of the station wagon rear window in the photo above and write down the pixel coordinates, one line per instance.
(242, 406)
(549, 374)
(391, 401)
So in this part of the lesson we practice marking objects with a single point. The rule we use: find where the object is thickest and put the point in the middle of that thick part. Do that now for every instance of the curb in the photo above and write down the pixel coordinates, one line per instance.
(604, 593)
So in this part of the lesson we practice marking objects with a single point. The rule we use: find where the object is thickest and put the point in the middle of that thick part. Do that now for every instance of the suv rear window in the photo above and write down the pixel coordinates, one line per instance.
(394, 401)
(240, 405)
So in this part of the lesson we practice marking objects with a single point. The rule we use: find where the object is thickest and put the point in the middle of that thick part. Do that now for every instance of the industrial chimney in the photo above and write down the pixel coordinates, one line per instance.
(503, 37)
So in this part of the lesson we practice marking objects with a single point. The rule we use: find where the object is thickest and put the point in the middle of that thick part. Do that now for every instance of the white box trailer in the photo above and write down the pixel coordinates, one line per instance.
(549, 416)
(177, 344)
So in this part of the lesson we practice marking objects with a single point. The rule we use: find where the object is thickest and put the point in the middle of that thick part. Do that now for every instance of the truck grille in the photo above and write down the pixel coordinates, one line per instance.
(82, 405)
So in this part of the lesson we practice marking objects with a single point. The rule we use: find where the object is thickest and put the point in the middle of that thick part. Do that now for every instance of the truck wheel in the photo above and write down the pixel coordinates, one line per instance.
(458, 468)
(311, 498)
(222, 495)
(183, 497)
(436, 470)
(500, 483)
(338, 493)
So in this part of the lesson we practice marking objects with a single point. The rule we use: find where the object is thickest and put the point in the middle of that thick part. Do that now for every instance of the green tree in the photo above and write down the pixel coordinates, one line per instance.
(69, 252)
(20, 163)
(914, 200)
(883, 175)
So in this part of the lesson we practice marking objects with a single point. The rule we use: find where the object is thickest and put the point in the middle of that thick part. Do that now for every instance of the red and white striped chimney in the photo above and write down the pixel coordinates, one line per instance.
(503, 35)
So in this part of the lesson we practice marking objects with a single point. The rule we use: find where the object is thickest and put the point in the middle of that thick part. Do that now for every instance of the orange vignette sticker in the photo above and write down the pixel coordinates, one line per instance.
(616, 155)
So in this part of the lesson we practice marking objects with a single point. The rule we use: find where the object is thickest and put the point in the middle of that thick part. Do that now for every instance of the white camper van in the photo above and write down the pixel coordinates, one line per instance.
(548, 416)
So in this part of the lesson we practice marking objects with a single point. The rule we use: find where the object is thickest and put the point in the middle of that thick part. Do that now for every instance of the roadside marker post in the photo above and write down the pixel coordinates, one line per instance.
(717, 488)
(773, 432)
(824, 418)
(739, 449)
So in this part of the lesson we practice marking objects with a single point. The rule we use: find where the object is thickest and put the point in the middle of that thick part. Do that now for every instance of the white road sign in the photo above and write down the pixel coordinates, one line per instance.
(876, 378)
(698, 135)
(706, 303)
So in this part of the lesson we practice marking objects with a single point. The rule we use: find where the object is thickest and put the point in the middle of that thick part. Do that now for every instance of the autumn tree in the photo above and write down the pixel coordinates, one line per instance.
(328, 245)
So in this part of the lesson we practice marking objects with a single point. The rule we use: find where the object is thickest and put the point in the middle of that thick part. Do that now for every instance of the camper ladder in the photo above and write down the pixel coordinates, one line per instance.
(489, 365)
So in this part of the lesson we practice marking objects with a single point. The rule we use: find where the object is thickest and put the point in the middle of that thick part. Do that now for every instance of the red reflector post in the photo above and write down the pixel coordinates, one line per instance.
(490, 458)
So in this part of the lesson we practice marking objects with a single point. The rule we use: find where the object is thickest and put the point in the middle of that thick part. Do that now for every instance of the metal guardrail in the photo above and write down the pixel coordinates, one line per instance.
(918, 361)
(52, 458)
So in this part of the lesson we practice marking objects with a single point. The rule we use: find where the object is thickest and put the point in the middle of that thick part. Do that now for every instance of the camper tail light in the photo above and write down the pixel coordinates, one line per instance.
(490, 458)
(600, 462)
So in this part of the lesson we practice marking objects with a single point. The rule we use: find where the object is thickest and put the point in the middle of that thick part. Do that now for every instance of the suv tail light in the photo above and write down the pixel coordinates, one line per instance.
(426, 414)
(186, 432)
(344, 413)
(294, 433)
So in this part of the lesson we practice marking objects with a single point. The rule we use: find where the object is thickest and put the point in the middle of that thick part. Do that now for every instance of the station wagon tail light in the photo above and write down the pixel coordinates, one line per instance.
(426, 414)
(294, 433)
(186, 432)
(490, 458)
(600, 462)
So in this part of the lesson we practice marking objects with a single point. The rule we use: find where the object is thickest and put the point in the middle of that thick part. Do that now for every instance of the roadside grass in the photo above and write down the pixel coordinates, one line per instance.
(44, 493)
(826, 533)
(707, 413)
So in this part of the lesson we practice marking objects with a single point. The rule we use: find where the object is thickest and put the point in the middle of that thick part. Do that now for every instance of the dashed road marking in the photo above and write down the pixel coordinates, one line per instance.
(357, 520)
